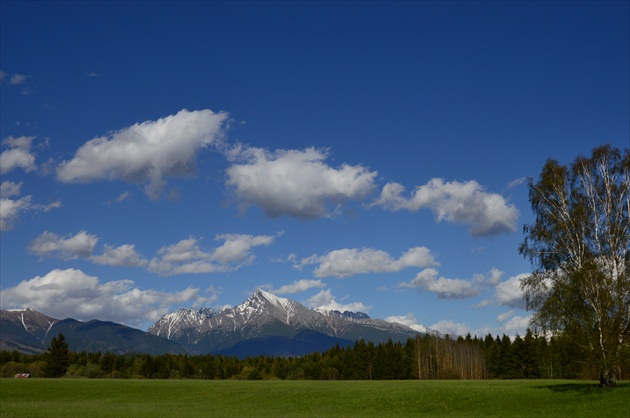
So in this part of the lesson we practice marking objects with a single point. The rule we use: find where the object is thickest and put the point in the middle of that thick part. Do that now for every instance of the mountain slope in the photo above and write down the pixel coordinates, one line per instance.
(30, 331)
(111, 337)
(277, 322)
(24, 330)
(264, 324)
(303, 343)
(184, 325)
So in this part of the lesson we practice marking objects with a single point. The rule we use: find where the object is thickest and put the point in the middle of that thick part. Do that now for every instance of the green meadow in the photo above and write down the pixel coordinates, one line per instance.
(276, 398)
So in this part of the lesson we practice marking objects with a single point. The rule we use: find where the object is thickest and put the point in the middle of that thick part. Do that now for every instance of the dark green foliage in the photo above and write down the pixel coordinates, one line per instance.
(57, 358)
(425, 357)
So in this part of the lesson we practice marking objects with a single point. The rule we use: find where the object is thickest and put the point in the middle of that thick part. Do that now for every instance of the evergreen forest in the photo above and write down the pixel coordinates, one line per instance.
(424, 357)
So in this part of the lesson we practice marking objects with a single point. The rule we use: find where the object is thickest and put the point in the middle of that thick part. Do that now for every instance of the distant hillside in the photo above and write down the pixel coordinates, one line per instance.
(29, 331)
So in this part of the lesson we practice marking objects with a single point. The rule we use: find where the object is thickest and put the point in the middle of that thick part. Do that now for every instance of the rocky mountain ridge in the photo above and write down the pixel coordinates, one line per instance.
(29, 331)
(264, 315)
(264, 324)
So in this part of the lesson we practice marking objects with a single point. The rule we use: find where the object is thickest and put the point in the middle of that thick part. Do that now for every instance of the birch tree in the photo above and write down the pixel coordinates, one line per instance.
(579, 249)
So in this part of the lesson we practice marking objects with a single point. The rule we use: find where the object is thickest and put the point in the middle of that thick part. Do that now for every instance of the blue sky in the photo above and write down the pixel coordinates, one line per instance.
(361, 156)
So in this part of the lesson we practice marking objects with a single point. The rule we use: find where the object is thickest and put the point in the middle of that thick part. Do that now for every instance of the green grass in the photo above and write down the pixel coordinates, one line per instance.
(187, 398)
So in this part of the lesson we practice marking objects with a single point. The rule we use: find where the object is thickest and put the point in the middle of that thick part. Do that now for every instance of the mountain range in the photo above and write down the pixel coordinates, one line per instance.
(264, 324)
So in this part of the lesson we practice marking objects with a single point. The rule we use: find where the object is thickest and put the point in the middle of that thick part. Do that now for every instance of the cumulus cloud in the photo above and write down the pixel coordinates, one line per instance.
(350, 261)
(467, 203)
(10, 209)
(182, 257)
(237, 247)
(187, 256)
(444, 288)
(510, 326)
(147, 152)
(509, 292)
(325, 301)
(122, 256)
(294, 183)
(52, 245)
(18, 154)
(517, 325)
(506, 293)
(9, 189)
(446, 326)
(72, 293)
(82, 245)
(491, 279)
(299, 286)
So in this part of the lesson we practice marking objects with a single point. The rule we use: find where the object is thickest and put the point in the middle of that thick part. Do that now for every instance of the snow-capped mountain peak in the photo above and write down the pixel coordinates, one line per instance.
(352, 316)
(281, 303)
(33, 322)
(264, 315)
(173, 324)
(267, 304)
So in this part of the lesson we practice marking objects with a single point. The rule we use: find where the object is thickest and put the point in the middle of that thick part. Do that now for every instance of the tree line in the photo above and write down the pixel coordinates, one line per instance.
(424, 357)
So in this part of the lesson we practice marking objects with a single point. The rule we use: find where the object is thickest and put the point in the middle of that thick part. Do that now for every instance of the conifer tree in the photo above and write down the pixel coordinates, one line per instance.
(57, 358)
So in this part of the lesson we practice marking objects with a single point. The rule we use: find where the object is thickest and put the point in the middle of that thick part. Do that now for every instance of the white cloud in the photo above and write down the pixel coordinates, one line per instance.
(123, 196)
(444, 288)
(505, 315)
(182, 257)
(299, 286)
(187, 256)
(350, 261)
(10, 209)
(506, 293)
(517, 325)
(237, 247)
(16, 158)
(517, 182)
(82, 245)
(451, 328)
(122, 256)
(506, 325)
(17, 155)
(325, 301)
(492, 279)
(295, 183)
(467, 203)
(18, 79)
(52, 245)
(146, 152)
(408, 320)
(509, 293)
(9, 189)
(72, 293)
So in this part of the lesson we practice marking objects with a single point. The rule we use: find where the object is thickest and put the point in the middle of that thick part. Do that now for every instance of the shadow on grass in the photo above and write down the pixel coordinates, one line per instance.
(583, 388)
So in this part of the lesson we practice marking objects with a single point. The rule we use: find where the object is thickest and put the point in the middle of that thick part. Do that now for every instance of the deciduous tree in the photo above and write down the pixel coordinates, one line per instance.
(579, 248)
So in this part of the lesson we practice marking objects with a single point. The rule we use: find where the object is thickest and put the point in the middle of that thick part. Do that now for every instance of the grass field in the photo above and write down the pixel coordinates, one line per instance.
(197, 398)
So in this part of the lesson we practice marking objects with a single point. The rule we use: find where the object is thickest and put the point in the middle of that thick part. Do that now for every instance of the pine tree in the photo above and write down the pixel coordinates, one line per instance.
(57, 358)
